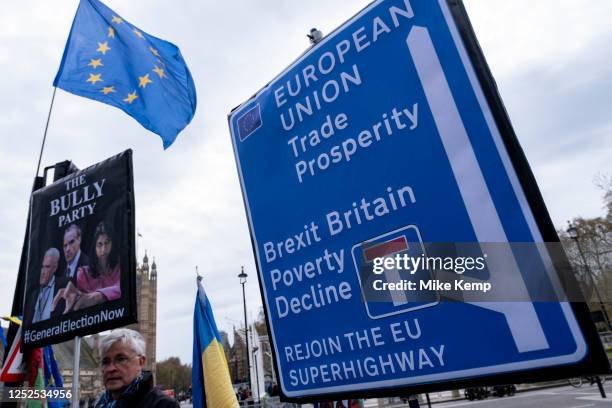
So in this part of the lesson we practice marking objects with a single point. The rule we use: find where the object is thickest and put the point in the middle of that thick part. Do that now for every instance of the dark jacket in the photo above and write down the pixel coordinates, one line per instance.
(145, 396)
(62, 270)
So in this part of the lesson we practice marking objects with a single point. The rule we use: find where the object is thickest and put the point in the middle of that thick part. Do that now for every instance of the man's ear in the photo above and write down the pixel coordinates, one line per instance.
(142, 360)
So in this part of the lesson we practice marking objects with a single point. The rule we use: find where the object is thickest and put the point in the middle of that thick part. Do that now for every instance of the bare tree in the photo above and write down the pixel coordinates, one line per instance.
(171, 374)
(589, 249)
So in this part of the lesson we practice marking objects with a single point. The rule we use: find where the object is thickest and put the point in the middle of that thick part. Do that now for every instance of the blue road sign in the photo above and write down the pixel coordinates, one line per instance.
(374, 143)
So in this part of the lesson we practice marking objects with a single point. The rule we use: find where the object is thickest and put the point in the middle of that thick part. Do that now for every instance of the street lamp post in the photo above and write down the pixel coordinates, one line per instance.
(572, 231)
(242, 276)
(255, 348)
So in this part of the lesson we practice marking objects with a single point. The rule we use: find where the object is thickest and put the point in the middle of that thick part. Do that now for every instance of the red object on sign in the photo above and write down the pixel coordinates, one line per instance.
(391, 247)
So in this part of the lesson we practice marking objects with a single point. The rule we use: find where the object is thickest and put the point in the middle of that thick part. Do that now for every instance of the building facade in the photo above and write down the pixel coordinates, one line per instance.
(236, 355)
(236, 358)
(146, 293)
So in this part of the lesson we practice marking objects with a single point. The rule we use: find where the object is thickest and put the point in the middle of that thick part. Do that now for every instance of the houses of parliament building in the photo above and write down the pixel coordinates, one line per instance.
(146, 293)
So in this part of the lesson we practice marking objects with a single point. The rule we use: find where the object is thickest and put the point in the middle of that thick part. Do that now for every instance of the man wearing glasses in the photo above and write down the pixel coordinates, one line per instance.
(127, 385)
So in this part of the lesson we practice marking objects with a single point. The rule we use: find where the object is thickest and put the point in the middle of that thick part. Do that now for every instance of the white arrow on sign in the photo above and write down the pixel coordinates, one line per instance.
(522, 318)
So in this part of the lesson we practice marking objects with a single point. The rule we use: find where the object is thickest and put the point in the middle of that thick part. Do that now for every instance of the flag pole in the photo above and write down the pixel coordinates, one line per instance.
(42, 146)
(137, 254)
(75, 372)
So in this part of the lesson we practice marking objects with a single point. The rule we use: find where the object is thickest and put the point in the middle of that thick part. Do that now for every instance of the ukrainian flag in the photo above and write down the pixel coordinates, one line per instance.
(211, 385)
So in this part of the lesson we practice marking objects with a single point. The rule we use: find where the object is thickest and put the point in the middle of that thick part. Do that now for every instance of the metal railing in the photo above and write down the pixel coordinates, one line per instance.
(268, 402)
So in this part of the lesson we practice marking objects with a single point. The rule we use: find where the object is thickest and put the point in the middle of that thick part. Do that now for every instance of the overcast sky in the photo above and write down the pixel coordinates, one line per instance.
(550, 59)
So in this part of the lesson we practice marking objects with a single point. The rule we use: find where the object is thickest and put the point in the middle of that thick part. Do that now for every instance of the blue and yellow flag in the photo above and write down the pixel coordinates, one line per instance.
(2, 338)
(211, 386)
(110, 60)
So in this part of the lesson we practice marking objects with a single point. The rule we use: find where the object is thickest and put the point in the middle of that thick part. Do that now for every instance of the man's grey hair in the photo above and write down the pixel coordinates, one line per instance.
(125, 336)
(74, 227)
(53, 253)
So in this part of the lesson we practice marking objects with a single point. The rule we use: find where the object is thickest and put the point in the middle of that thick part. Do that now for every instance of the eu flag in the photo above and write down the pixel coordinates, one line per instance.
(53, 378)
(211, 386)
(112, 61)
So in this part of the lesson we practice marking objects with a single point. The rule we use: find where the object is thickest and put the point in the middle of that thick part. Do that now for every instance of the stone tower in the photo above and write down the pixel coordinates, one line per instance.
(146, 292)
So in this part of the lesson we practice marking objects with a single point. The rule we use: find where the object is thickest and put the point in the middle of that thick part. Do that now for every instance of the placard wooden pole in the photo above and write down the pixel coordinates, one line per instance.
(76, 372)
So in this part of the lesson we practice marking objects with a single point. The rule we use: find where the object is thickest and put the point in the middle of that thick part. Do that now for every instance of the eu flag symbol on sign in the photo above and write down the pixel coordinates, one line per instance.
(211, 386)
(110, 60)
(249, 122)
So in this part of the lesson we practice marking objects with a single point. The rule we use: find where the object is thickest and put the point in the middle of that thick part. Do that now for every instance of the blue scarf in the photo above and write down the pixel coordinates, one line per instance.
(107, 401)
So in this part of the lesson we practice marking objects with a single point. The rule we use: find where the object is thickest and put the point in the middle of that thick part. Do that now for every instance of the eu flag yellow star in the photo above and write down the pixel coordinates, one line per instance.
(108, 89)
(159, 72)
(130, 98)
(103, 47)
(117, 20)
(93, 78)
(154, 51)
(95, 63)
(111, 32)
(138, 33)
(144, 81)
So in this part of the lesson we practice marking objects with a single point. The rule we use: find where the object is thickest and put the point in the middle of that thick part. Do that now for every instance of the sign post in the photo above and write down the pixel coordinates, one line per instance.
(399, 235)
(76, 372)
